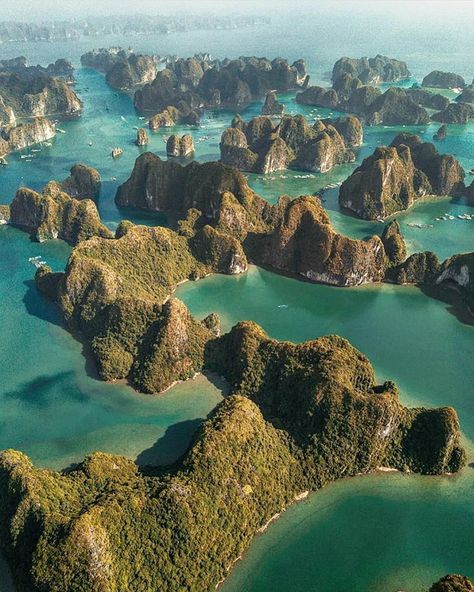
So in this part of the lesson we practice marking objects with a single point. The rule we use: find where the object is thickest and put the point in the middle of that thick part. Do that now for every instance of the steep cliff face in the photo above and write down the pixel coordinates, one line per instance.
(157, 185)
(425, 269)
(394, 243)
(124, 69)
(299, 417)
(13, 138)
(445, 174)
(458, 272)
(303, 242)
(180, 146)
(396, 107)
(372, 70)
(393, 178)
(271, 106)
(84, 182)
(54, 214)
(292, 236)
(142, 137)
(56, 98)
(262, 146)
(385, 183)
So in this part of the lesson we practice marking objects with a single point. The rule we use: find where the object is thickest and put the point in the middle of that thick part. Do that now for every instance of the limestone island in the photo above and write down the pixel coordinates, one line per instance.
(354, 90)
(261, 146)
(185, 87)
(27, 95)
(298, 417)
(394, 177)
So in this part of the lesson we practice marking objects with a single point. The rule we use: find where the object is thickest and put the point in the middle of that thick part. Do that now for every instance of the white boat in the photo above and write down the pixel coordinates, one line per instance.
(60, 131)
(122, 118)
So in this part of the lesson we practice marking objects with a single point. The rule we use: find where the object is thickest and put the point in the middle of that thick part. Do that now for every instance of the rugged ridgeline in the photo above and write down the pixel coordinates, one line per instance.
(123, 68)
(186, 86)
(371, 70)
(394, 177)
(299, 417)
(354, 90)
(63, 210)
(262, 146)
(293, 236)
(115, 292)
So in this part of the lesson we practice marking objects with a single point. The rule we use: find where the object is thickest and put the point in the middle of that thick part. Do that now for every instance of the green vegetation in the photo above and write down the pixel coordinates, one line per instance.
(54, 214)
(453, 583)
(299, 417)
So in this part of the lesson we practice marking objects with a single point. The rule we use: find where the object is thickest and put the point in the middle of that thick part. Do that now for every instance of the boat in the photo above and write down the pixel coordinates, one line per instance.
(122, 118)
(60, 131)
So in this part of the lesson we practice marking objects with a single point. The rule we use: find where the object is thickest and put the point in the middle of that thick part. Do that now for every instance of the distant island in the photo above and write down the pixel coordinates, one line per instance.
(83, 28)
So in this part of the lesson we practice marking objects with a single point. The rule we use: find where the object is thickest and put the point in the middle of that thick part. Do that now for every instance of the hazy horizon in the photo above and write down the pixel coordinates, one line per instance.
(33, 10)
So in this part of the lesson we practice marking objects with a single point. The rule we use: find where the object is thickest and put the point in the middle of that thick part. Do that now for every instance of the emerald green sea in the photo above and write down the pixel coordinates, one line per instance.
(380, 533)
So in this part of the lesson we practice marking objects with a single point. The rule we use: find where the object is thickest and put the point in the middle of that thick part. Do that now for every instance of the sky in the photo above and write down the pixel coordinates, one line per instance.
(30, 10)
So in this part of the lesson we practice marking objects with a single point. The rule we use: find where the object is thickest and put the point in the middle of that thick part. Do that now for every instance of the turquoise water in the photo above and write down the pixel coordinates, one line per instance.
(377, 533)
(52, 408)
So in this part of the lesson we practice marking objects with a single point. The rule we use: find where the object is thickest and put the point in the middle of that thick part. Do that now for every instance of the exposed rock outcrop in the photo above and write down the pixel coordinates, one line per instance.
(438, 79)
(24, 135)
(442, 133)
(425, 269)
(54, 214)
(142, 137)
(261, 146)
(83, 183)
(123, 69)
(393, 178)
(396, 107)
(427, 99)
(172, 115)
(271, 106)
(372, 70)
(180, 146)
(394, 243)
(303, 242)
